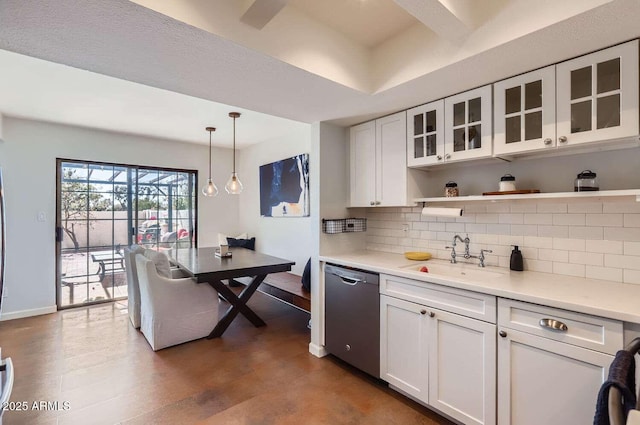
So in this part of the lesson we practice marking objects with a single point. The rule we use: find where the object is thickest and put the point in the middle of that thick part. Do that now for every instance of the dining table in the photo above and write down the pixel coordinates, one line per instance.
(204, 266)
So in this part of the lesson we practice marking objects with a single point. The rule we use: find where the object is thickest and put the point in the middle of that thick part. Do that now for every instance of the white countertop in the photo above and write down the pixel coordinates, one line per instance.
(613, 300)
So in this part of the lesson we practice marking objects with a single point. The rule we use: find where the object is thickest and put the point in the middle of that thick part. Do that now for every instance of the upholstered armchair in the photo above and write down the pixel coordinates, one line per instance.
(133, 287)
(173, 311)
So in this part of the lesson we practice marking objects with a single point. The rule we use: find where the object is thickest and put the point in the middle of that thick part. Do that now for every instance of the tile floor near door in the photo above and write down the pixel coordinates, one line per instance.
(102, 371)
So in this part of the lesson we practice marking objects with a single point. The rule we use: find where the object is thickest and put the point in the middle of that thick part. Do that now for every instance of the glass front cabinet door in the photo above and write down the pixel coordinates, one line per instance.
(597, 96)
(467, 125)
(425, 134)
(525, 112)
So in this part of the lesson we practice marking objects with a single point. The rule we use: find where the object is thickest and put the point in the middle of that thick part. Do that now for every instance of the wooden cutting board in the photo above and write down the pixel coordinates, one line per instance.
(513, 192)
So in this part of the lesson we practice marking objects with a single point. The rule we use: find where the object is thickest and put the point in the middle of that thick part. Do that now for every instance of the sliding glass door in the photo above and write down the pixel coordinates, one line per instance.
(103, 208)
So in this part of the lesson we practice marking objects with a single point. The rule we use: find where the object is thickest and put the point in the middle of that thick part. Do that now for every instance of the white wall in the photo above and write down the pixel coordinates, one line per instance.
(28, 158)
(290, 237)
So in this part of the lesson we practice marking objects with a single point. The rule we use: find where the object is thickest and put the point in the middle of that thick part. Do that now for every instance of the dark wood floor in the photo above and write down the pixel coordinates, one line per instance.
(94, 360)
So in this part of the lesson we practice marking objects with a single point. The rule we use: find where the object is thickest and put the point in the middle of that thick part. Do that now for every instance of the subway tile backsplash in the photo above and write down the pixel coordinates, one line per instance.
(598, 240)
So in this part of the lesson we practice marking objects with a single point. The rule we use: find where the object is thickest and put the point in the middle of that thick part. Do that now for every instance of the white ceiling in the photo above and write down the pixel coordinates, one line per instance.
(304, 65)
(37, 89)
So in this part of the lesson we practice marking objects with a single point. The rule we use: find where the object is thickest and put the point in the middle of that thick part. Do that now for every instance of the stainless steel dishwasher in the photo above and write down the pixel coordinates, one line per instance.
(352, 317)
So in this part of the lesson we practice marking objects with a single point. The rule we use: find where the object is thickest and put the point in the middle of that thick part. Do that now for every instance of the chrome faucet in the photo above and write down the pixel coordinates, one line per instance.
(453, 247)
(466, 254)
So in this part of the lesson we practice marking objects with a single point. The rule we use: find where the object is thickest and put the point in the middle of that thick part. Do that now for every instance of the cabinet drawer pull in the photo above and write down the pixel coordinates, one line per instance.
(556, 325)
(503, 334)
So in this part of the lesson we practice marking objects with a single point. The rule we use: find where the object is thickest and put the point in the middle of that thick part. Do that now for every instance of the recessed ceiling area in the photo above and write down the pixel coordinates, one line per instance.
(372, 45)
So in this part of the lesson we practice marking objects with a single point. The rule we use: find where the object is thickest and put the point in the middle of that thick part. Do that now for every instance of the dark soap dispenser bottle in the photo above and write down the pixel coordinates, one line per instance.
(516, 259)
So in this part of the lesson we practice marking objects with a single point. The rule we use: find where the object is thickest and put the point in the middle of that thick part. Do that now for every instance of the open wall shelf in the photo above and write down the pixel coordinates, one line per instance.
(628, 194)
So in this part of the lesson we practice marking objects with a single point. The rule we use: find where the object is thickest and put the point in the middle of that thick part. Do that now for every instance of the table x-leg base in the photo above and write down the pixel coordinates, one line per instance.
(238, 305)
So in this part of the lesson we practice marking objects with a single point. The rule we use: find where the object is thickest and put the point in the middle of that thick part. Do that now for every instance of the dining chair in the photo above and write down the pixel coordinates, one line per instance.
(173, 311)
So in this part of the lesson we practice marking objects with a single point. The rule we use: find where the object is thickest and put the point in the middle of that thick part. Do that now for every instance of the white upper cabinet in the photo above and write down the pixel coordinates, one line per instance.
(425, 134)
(391, 160)
(468, 125)
(378, 174)
(525, 112)
(597, 96)
(363, 164)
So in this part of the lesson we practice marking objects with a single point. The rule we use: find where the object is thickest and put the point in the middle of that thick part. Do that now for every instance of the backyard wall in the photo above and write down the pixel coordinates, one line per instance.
(28, 155)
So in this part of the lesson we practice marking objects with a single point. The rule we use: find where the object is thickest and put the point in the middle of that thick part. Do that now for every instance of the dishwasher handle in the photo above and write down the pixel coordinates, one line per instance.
(351, 280)
(348, 277)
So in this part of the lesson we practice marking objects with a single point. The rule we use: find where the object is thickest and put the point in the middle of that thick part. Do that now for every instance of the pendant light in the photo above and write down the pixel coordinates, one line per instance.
(210, 189)
(234, 186)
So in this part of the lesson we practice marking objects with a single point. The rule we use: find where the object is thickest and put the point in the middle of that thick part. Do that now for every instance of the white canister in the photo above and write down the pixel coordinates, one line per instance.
(507, 183)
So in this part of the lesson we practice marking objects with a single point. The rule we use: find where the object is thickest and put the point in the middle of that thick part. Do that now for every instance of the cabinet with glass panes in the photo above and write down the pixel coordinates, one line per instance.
(597, 96)
(592, 98)
(468, 125)
(425, 134)
(453, 129)
(525, 112)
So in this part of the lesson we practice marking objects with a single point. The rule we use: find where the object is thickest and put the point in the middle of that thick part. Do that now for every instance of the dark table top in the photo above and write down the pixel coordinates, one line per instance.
(202, 263)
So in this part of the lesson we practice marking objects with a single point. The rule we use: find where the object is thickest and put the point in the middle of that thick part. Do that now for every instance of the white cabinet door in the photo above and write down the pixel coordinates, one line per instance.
(462, 368)
(525, 112)
(391, 157)
(468, 125)
(425, 134)
(363, 164)
(541, 381)
(597, 96)
(404, 334)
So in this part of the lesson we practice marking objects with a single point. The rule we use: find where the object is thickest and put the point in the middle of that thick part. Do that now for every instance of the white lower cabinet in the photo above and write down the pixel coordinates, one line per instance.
(404, 335)
(462, 368)
(551, 369)
(541, 381)
(538, 365)
(445, 360)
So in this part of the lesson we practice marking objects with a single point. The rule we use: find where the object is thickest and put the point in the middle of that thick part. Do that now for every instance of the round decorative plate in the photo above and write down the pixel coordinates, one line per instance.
(418, 256)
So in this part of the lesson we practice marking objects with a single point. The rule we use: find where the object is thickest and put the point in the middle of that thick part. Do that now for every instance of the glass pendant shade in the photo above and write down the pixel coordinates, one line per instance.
(210, 189)
(234, 185)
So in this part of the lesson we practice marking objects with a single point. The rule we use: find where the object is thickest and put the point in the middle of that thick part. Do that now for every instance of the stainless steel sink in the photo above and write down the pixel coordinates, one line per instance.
(458, 271)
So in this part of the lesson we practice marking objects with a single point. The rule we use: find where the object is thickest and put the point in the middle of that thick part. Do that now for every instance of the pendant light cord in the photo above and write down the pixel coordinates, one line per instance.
(209, 154)
(234, 145)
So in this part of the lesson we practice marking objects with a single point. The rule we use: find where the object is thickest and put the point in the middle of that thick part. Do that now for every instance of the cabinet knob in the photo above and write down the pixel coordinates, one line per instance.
(423, 311)
(502, 334)
(439, 157)
(347, 347)
(432, 314)
(377, 202)
(547, 141)
(562, 139)
(447, 156)
(372, 203)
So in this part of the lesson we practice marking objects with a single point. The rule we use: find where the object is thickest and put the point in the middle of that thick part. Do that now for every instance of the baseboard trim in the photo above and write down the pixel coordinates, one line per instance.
(317, 350)
(27, 313)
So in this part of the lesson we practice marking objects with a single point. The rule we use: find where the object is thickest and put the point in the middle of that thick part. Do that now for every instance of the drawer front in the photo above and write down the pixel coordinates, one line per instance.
(467, 303)
(582, 330)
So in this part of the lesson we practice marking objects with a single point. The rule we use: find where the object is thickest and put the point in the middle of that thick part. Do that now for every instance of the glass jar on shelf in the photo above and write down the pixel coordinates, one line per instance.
(451, 189)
